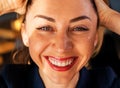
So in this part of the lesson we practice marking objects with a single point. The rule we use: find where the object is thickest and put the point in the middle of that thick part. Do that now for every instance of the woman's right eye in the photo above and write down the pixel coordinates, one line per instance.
(45, 28)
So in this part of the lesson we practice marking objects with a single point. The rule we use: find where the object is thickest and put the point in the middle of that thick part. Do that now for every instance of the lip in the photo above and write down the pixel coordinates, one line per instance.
(69, 60)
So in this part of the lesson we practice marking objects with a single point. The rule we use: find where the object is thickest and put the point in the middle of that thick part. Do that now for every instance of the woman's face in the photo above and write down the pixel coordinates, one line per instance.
(61, 36)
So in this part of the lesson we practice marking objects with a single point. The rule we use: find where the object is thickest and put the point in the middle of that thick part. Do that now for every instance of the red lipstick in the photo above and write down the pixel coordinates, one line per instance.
(61, 64)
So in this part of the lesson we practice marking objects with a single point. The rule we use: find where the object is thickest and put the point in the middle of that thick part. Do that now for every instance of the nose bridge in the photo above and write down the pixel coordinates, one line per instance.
(63, 42)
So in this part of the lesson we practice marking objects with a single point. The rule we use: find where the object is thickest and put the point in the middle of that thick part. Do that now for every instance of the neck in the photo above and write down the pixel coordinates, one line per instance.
(51, 84)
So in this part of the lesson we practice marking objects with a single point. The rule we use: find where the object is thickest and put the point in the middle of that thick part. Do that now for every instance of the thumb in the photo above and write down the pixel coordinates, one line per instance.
(101, 5)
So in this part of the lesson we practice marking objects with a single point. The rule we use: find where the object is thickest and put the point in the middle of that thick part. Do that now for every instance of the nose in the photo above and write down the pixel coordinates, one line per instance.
(62, 43)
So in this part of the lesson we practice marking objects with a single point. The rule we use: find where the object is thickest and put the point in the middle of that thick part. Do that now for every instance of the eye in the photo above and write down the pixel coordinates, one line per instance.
(45, 28)
(79, 28)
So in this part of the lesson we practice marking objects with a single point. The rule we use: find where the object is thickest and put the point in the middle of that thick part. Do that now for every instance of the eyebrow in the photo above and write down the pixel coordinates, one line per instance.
(45, 17)
(71, 21)
(80, 18)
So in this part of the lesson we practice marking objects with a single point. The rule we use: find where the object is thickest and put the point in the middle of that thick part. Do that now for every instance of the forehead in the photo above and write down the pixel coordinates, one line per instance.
(62, 8)
(63, 3)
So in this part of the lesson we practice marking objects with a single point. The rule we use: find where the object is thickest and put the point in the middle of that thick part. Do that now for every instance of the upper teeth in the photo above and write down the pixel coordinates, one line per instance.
(60, 63)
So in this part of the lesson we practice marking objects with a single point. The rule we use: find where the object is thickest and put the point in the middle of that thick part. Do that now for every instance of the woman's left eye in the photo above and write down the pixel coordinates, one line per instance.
(79, 29)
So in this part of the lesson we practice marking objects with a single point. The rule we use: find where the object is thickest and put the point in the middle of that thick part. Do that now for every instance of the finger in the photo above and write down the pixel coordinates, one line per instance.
(101, 4)
(22, 10)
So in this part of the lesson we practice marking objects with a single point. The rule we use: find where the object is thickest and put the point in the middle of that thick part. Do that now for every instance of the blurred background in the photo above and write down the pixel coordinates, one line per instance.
(9, 36)
(9, 39)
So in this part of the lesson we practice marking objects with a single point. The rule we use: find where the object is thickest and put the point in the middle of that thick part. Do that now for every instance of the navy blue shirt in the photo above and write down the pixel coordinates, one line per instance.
(27, 76)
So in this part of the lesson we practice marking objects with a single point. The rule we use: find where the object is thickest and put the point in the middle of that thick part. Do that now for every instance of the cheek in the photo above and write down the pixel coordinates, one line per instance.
(90, 45)
(85, 50)
(86, 47)
(37, 45)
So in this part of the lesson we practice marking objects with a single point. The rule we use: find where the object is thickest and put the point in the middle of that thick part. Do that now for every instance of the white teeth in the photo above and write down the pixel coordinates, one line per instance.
(60, 63)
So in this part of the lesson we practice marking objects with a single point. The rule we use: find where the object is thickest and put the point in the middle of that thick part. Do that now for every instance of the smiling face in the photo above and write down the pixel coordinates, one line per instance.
(61, 36)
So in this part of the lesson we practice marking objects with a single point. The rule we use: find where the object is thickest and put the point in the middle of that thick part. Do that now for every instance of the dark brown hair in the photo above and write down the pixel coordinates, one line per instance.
(21, 54)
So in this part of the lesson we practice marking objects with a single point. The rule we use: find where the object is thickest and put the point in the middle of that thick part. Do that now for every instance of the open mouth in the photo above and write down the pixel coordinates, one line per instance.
(61, 64)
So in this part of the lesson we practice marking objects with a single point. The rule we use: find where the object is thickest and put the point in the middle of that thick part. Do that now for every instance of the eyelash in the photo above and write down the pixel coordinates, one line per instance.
(45, 28)
(77, 28)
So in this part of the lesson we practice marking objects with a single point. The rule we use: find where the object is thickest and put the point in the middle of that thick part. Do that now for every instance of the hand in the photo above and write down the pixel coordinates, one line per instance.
(103, 10)
(18, 6)
(108, 17)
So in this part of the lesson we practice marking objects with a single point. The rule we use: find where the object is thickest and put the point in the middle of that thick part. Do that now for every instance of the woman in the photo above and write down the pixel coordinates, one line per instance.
(61, 37)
